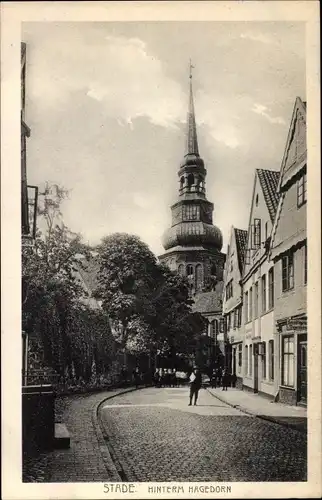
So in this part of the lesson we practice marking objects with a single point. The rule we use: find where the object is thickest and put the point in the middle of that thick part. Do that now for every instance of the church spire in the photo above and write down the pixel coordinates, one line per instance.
(192, 141)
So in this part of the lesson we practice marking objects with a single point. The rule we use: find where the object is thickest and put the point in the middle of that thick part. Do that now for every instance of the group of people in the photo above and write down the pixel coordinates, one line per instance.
(169, 377)
(222, 377)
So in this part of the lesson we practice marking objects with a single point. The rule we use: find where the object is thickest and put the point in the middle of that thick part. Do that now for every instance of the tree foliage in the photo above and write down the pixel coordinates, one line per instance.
(71, 337)
(148, 304)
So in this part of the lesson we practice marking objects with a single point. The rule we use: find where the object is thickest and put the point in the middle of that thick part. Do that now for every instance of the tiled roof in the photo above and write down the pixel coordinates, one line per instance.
(269, 181)
(208, 302)
(241, 243)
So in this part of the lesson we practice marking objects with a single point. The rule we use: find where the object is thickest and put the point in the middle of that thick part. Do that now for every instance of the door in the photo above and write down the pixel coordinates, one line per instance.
(302, 387)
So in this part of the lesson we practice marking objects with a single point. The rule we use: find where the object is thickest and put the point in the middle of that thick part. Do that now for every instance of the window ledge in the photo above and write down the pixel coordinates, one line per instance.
(282, 386)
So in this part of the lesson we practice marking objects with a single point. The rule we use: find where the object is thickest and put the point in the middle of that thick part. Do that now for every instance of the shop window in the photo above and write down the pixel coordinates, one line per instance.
(288, 361)
(271, 288)
(288, 271)
(264, 294)
(271, 359)
(264, 361)
(301, 191)
(256, 300)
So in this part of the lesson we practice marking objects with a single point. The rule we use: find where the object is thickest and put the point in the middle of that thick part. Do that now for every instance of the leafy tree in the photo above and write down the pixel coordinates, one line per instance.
(147, 303)
(69, 336)
(127, 266)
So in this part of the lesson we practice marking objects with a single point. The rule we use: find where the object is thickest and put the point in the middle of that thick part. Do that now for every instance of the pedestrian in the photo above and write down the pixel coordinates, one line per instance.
(225, 379)
(156, 378)
(213, 379)
(167, 378)
(195, 385)
(137, 378)
(233, 380)
(218, 376)
(162, 378)
(174, 377)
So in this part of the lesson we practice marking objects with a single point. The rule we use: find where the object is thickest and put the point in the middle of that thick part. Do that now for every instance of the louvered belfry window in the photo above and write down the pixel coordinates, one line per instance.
(190, 212)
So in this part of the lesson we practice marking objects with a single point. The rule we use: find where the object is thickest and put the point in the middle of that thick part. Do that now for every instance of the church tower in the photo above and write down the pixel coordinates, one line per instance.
(193, 243)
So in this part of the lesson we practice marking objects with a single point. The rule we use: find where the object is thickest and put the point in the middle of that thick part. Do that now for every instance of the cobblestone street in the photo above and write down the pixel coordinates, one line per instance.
(153, 435)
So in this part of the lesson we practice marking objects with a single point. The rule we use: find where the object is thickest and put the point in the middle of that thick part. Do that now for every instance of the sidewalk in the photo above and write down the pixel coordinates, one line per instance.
(253, 404)
(88, 458)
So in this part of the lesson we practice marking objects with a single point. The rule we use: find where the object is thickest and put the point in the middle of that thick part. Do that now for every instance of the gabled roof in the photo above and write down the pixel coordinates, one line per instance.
(269, 181)
(241, 244)
(298, 106)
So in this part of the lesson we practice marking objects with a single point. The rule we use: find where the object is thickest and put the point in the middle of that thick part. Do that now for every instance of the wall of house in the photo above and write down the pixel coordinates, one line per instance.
(291, 220)
(232, 272)
(261, 325)
(291, 302)
(258, 211)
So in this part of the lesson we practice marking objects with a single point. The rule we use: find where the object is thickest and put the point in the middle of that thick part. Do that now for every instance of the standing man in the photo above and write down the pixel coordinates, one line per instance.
(195, 384)
(225, 379)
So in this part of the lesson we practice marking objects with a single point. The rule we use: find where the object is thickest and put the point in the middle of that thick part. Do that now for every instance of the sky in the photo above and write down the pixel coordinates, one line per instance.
(107, 105)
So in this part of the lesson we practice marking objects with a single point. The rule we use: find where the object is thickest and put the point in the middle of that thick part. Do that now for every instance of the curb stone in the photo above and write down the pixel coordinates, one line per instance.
(262, 417)
(104, 449)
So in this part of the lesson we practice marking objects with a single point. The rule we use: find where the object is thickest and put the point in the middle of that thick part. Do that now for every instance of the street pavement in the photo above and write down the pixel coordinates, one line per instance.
(153, 435)
(259, 406)
(88, 458)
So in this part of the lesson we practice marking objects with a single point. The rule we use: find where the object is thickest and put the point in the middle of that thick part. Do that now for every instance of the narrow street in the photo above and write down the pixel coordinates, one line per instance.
(153, 435)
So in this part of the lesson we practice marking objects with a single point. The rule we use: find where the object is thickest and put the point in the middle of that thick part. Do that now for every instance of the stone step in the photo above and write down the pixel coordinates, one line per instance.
(62, 437)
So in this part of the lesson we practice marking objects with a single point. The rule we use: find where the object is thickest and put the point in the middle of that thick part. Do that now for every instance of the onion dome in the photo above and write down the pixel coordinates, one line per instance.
(193, 233)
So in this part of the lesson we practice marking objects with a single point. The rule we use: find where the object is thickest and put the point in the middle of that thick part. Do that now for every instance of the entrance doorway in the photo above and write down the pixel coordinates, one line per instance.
(302, 373)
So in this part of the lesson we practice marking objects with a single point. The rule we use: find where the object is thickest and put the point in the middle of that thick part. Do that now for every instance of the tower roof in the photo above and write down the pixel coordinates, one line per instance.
(192, 140)
(191, 156)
